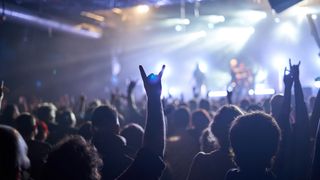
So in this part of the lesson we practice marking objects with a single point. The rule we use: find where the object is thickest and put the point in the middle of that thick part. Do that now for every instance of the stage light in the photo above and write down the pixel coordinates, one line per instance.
(174, 91)
(92, 16)
(317, 84)
(217, 93)
(251, 92)
(203, 67)
(210, 25)
(314, 16)
(142, 9)
(252, 16)
(178, 28)
(264, 92)
(261, 76)
(276, 20)
(288, 30)
(215, 19)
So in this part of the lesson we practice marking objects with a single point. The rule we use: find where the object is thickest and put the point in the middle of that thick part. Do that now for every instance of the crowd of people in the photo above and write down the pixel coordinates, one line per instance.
(276, 138)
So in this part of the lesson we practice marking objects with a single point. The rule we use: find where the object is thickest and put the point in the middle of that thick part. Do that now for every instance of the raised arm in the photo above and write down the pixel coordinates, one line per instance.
(301, 129)
(154, 137)
(316, 158)
(315, 116)
(148, 164)
(133, 113)
(282, 162)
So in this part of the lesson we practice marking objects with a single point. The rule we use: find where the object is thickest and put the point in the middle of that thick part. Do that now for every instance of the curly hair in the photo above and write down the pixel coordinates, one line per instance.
(73, 159)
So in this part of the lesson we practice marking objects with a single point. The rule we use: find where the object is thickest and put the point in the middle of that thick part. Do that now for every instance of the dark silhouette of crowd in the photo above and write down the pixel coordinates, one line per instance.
(273, 138)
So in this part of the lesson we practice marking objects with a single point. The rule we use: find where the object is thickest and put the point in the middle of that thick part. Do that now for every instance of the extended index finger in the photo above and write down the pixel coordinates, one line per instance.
(161, 72)
(2, 84)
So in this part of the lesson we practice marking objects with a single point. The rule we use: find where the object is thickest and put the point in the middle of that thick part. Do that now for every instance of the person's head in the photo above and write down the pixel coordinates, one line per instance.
(181, 118)
(27, 126)
(193, 105)
(200, 119)
(13, 154)
(133, 133)
(10, 112)
(254, 139)
(46, 112)
(276, 103)
(66, 118)
(86, 131)
(72, 159)
(267, 106)
(221, 123)
(204, 104)
(105, 118)
(244, 104)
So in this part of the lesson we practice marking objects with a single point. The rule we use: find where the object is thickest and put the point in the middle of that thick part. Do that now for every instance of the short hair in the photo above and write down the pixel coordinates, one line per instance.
(181, 117)
(254, 139)
(204, 104)
(26, 124)
(105, 117)
(276, 102)
(66, 118)
(46, 112)
(73, 159)
(222, 121)
(200, 119)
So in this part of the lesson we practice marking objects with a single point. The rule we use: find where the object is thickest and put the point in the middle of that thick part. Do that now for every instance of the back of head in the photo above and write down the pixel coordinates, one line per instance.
(222, 121)
(181, 118)
(9, 113)
(105, 118)
(46, 112)
(26, 125)
(66, 118)
(133, 133)
(276, 103)
(200, 119)
(13, 153)
(254, 139)
(244, 104)
(72, 159)
(204, 104)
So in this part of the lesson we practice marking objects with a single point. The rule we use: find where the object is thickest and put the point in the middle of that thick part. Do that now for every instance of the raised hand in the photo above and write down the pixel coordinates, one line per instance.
(131, 85)
(287, 78)
(294, 69)
(152, 82)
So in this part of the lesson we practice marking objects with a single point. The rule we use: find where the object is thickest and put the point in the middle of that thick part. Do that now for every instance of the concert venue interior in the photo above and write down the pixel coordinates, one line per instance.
(92, 47)
(159, 89)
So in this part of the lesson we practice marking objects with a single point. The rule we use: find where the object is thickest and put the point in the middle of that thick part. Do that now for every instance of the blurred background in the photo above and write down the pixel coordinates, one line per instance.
(50, 48)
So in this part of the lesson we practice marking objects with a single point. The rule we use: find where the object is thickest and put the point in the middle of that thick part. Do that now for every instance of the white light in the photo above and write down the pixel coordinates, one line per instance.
(251, 92)
(215, 19)
(199, 34)
(279, 62)
(317, 84)
(217, 93)
(210, 25)
(252, 16)
(261, 76)
(236, 36)
(264, 91)
(173, 91)
(288, 30)
(142, 9)
(314, 16)
(203, 67)
(50, 23)
(185, 21)
(276, 20)
(178, 28)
